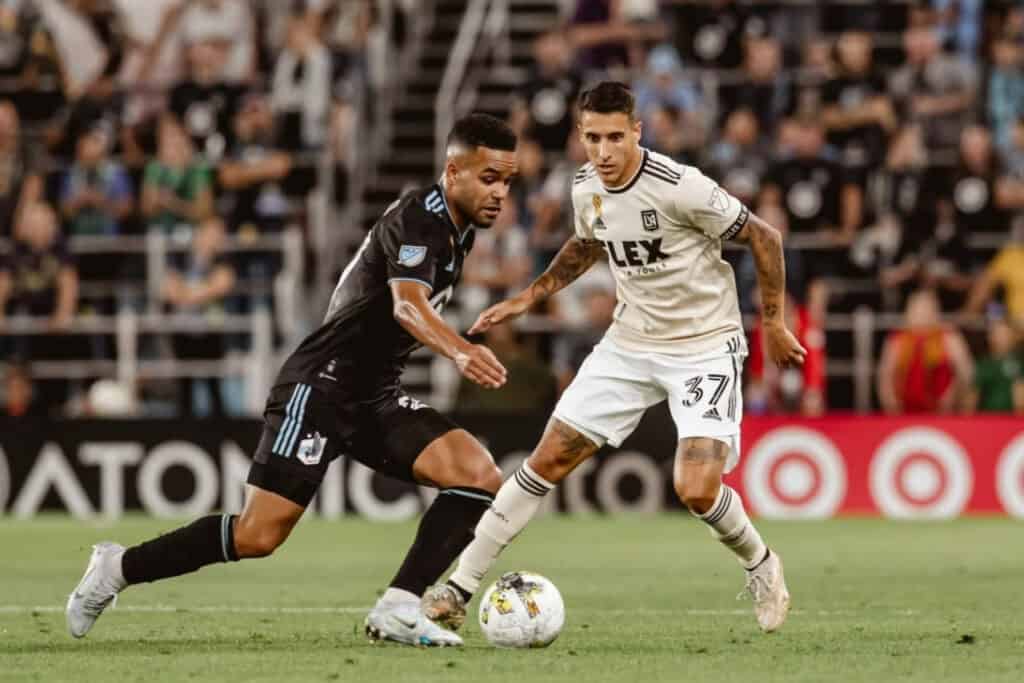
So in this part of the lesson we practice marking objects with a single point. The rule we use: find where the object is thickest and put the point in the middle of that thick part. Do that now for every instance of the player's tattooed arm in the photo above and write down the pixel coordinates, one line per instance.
(765, 242)
(573, 259)
(413, 311)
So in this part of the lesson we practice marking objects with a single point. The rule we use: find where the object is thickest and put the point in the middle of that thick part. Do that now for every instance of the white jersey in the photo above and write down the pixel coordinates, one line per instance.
(663, 233)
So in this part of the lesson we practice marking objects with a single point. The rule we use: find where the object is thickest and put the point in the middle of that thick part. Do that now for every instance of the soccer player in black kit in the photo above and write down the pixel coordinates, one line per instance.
(339, 393)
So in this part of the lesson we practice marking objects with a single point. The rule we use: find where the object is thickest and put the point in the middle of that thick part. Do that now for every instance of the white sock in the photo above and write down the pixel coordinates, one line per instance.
(398, 595)
(729, 523)
(517, 502)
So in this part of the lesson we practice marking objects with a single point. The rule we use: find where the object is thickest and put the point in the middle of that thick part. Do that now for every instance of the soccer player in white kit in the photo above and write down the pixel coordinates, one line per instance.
(677, 336)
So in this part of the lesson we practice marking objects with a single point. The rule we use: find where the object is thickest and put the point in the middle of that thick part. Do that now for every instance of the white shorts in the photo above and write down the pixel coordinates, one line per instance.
(615, 387)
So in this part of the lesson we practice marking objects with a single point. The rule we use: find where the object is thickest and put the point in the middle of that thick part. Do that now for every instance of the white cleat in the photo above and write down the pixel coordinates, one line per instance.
(444, 605)
(767, 587)
(404, 622)
(97, 589)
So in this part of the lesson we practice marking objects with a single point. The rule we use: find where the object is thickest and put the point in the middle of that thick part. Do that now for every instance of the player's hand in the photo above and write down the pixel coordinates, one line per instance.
(478, 364)
(781, 346)
(498, 313)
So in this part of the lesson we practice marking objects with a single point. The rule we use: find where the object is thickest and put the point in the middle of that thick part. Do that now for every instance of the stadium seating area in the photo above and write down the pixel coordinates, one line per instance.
(179, 184)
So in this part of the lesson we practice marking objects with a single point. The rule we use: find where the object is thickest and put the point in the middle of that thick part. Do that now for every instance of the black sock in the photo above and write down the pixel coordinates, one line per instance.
(205, 541)
(444, 532)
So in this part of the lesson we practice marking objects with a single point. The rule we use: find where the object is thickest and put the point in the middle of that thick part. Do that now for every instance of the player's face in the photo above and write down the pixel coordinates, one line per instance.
(612, 142)
(479, 183)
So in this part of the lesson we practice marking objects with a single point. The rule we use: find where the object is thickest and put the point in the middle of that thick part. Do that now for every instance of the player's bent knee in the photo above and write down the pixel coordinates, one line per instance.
(252, 542)
(698, 496)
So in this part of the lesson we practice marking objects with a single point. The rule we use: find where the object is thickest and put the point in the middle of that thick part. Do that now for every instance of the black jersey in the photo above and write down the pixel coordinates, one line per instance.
(360, 350)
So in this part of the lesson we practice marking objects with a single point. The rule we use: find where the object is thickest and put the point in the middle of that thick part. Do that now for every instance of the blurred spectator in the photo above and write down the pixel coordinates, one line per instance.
(771, 389)
(41, 79)
(530, 387)
(197, 285)
(812, 188)
(1005, 101)
(667, 133)
(20, 184)
(604, 31)
(918, 244)
(301, 87)
(39, 278)
(857, 113)
(981, 195)
(227, 25)
(206, 101)
(960, 25)
(738, 159)
(96, 193)
(254, 169)
(1006, 272)
(548, 205)
(926, 367)
(667, 102)
(574, 345)
(999, 377)
(762, 88)
(1012, 154)
(543, 108)
(933, 89)
(177, 185)
(499, 265)
(20, 398)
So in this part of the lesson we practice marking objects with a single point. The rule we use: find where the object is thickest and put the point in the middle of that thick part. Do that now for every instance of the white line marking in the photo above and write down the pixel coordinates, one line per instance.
(256, 609)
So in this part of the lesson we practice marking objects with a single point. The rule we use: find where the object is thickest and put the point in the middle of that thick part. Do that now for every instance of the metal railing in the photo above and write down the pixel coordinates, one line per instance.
(484, 28)
(256, 366)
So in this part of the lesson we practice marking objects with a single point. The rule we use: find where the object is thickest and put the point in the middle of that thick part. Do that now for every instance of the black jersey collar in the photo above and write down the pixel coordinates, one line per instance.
(632, 181)
(460, 236)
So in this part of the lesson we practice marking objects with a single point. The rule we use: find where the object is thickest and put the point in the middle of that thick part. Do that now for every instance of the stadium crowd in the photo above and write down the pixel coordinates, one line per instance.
(884, 139)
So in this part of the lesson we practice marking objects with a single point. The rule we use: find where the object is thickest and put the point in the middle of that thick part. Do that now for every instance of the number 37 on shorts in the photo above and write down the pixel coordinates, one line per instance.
(614, 388)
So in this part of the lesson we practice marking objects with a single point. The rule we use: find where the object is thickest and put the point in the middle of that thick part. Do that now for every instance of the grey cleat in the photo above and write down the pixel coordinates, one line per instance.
(404, 622)
(98, 588)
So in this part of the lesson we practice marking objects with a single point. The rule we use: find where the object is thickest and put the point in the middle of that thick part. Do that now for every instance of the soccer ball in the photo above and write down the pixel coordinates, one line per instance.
(522, 610)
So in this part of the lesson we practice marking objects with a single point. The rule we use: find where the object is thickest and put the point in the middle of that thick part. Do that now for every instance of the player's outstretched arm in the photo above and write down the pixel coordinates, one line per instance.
(766, 244)
(574, 258)
(413, 312)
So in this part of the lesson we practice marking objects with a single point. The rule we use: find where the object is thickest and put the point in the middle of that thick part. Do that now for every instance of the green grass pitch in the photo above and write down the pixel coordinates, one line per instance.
(648, 599)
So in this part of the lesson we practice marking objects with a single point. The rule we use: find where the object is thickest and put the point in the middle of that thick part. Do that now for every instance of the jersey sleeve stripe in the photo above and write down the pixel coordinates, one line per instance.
(738, 224)
(430, 287)
(665, 169)
(657, 174)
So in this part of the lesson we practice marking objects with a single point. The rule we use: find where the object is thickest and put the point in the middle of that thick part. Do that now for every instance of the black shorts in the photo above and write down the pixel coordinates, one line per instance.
(304, 430)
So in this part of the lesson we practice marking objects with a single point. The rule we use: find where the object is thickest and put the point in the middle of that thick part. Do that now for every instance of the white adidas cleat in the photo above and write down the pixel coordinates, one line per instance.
(767, 587)
(444, 605)
(404, 622)
(98, 588)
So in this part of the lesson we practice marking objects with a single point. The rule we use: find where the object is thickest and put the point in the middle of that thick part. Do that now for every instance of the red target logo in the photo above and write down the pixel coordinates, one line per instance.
(1010, 477)
(794, 472)
(921, 473)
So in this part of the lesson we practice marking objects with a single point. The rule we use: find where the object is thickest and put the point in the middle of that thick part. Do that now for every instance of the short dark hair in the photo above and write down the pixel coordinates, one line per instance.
(608, 97)
(483, 130)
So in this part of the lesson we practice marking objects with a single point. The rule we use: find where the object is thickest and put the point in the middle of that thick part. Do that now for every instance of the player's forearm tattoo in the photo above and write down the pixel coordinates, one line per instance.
(574, 259)
(766, 244)
(704, 450)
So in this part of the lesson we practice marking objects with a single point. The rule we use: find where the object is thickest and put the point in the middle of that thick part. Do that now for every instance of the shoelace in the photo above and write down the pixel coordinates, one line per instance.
(755, 588)
(94, 606)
